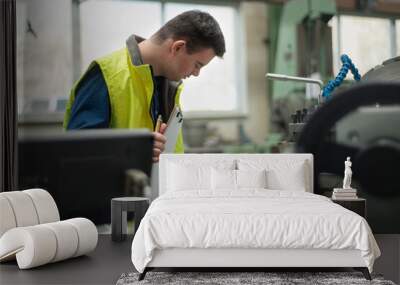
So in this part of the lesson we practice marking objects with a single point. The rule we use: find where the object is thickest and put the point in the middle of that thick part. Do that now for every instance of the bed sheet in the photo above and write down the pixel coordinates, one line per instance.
(251, 218)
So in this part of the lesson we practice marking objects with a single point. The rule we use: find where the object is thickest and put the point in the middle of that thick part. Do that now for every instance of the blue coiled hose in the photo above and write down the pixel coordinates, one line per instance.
(332, 84)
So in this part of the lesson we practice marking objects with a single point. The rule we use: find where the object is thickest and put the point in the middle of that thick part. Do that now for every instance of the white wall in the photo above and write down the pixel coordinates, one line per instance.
(45, 61)
(257, 123)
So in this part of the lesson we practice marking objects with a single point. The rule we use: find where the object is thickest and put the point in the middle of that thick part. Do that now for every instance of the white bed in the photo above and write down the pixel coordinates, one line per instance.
(247, 210)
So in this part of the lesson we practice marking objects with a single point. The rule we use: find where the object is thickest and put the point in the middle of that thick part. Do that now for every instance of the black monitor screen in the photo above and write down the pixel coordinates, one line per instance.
(83, 169)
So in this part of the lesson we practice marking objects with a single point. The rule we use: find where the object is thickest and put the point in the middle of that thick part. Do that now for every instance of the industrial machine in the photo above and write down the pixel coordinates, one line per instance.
(303, 49)
(362, 122)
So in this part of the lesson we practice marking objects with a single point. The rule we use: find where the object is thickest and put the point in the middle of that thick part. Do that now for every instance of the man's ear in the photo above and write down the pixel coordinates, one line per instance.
(178, 46)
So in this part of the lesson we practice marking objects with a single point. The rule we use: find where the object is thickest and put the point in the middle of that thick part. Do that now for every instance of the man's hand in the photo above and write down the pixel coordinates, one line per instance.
(159, 142)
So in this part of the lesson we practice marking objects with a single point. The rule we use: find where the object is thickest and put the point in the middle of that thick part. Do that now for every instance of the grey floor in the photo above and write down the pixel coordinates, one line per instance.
(102, 266)
(389, 263)
(111, 259)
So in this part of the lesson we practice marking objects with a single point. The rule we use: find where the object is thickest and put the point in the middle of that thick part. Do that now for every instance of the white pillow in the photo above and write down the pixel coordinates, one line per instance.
(282, 174)
(181, 177)
(293, 179)
(223, 179)
(227, 179)
(251, 178)
(189, 174)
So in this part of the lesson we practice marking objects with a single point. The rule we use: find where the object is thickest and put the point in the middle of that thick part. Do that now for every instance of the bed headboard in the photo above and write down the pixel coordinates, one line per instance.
(269, 160)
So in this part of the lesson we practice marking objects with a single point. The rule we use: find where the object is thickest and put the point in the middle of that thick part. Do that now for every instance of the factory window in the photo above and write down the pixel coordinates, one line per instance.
(217, 90)
(366, 40)
(119, 19)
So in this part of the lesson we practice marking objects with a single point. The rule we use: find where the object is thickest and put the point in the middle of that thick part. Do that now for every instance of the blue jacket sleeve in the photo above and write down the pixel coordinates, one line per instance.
(91, 107)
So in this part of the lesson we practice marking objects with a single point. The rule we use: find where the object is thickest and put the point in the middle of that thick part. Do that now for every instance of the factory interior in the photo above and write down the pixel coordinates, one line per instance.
(298, 76)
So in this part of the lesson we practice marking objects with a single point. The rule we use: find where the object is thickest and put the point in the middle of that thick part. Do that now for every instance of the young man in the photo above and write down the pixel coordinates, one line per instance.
(131, 87)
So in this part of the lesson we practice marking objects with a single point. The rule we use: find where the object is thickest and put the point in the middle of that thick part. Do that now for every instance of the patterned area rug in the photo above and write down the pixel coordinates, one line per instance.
(243, 278)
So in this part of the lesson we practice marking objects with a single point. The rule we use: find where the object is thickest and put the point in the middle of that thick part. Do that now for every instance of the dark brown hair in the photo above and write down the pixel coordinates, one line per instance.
(199, 29)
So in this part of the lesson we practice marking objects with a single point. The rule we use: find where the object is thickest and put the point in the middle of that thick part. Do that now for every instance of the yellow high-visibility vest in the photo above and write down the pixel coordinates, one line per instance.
(130, 88)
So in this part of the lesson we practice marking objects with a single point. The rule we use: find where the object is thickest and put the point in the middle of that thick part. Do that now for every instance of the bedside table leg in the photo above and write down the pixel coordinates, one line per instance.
(118, 222)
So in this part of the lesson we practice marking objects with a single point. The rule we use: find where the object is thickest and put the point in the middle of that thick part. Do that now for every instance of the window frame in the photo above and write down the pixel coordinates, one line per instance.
(241, 73)
(391, 32)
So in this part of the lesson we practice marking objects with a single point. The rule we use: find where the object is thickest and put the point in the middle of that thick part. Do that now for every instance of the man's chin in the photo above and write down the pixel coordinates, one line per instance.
(174, 77)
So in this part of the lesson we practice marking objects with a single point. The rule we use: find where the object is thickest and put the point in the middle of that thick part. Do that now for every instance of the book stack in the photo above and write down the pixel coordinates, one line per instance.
(343, 194)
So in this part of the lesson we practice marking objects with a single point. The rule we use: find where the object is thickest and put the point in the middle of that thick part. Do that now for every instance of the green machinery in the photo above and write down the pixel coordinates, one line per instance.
(300, 45)
(303, 47)
(304, 44)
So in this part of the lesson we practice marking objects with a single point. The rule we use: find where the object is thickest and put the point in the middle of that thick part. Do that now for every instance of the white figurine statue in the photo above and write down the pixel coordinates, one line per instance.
(347, 174)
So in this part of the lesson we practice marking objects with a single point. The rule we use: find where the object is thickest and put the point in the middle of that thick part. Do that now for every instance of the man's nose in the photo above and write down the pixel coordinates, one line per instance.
(196, 72)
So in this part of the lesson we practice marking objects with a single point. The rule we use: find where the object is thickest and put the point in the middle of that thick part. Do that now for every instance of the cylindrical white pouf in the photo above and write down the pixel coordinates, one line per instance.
(23, 207)
(67, 239)
(7, 218)
(37, 245)
(45, 205)
(87, 234)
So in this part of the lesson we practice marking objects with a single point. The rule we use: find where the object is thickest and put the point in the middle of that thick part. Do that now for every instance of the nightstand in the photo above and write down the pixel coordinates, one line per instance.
(119, 208)
(358, 205)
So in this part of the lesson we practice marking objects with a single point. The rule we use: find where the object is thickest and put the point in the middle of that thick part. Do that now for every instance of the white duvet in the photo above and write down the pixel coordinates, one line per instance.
(250, 219)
